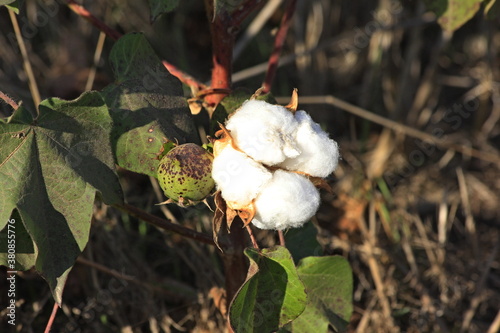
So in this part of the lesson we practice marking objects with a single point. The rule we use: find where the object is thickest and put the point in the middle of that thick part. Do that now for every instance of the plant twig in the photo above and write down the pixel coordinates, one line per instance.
(164, 224)
(222, 54)
(35, 93)
(52, 317)
(395, 126)
(115, 35)
(255, 27)
(183, 77)
(279, 41)
(243, 10)
(81, 11)
(6, 98)
(183, 292)
(281, 237)
(252, 237)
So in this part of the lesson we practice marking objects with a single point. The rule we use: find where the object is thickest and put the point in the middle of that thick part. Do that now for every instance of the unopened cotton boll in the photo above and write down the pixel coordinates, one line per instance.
(319, 155)
(238, 177)
(264, 131)
(287, 201)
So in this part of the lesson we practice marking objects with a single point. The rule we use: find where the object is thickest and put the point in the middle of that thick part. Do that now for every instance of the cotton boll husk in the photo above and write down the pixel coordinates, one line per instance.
(264, 131)
(319, 155)
(287, 201)
(238, 177)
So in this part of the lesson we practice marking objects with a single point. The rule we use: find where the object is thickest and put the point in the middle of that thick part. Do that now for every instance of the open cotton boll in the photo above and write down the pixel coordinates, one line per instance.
(287, 201)
(264, 131)
(238, 177)
(319, 155)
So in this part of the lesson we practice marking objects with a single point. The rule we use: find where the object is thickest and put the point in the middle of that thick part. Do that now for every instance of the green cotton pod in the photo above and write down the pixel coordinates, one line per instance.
(185, 173)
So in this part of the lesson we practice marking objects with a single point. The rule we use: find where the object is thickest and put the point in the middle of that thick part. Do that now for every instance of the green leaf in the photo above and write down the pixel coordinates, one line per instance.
(328, 282)
(11, 4)
(50, 171)
(272, 295)
(22, 251)
(159, 7)
(303, 242)
(453, 14)
(147, 106)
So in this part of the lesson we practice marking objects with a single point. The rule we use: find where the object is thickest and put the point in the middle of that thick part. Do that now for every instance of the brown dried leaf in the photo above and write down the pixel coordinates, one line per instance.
(294, 101)
(219, 217)
(219, 297)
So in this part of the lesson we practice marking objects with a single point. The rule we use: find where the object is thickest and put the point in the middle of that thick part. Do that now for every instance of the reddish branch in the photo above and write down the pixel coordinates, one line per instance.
(183, 77)
(278, 46)
(52, 317)
(8, 100)
(223, 28)
(81, 11)
(115, 35)
(166, 225)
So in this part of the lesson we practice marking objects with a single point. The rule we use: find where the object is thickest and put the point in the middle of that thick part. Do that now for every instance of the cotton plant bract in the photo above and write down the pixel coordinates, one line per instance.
(265, 160)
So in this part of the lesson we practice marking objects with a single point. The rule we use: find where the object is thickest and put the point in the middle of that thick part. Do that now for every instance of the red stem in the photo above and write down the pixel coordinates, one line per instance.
(183, 77)
(52, 317)
(115, 35)
(222, 57)
(8, 100)
(279, 41)
(252, 237)
(81, 11)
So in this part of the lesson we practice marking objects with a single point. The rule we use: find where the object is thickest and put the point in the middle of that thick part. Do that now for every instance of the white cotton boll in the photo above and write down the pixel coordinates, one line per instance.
(238, 177)
(287, 201)
(319, 155)
(264, 131)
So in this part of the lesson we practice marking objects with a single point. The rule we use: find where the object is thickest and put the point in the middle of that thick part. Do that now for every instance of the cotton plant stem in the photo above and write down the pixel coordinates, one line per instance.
(83, 12)
(279, 41)
(6, 98)
(52, 317)
(255, 27)
(115, 35)
(252, 237)
(164, 224)
(281, 237)
(35, 93)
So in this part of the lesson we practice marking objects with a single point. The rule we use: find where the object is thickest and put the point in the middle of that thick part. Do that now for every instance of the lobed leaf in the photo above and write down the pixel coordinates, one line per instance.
(272, 295)
(50, 170)
(147, 106)
(328, 282)
(453, 14)
(159, 7)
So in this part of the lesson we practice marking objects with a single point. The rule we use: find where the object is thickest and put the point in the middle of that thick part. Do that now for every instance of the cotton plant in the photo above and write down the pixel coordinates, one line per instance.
(268, 159)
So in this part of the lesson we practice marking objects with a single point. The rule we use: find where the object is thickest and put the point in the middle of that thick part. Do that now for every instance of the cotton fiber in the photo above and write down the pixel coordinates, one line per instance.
(264, 131)
(287, 201)
(263, 161)
(238, 177)
(319, 154)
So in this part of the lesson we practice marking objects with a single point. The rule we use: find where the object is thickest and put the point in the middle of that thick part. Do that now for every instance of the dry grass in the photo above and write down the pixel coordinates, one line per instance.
(417, 216)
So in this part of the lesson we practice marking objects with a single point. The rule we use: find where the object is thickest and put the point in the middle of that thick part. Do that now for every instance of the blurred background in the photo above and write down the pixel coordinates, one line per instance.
(415, 206)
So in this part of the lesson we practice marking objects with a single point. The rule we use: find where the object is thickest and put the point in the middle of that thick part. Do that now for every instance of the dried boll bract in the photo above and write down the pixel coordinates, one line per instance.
(287, 201)
(319, 155)
(264, 131)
